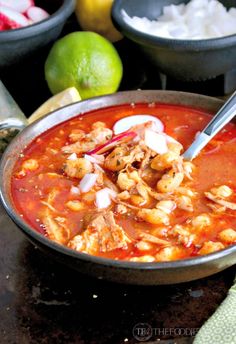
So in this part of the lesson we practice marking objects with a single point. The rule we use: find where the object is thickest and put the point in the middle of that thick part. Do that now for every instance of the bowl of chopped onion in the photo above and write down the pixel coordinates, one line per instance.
(26, 26)
(187, 40)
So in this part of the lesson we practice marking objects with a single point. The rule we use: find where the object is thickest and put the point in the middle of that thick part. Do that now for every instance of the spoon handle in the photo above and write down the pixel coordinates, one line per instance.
(222, 117)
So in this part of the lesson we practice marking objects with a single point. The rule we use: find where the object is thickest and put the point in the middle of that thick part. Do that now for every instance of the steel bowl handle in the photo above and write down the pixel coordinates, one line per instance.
(12, 119)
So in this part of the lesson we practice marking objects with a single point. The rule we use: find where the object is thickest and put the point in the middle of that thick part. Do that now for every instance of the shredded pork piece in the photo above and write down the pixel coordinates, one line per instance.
(157, 195)
(108, 183)
(89, 142)
(121, 209)
(79, 147)
(153, 239)
(136, 154)
(220, 201)
(55, 228)
(55, 225)
(145, 161)
(50, 199)
(49, 206)
(102, 235)
(216, 208)
(183, 234)
(186, 191)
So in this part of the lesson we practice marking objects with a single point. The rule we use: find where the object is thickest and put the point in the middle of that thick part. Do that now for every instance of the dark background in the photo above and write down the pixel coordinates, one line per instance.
(25, 81)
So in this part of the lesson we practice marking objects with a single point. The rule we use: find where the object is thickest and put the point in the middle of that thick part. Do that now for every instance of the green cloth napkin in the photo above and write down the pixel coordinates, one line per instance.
(221, 327)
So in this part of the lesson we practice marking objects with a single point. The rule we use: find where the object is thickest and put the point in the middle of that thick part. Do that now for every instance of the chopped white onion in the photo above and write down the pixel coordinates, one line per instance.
(168, 207)
(113, 193)
(103, 197)
(99, 157)
(75, 190)
(88, 181)
(198, 19)
(73, 156)
(126, 123)
(170, 139)
(91, 159)
(155, 141)
(99, 168)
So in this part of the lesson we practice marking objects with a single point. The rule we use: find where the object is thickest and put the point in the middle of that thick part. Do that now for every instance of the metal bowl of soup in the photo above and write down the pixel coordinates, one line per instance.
(95, 199)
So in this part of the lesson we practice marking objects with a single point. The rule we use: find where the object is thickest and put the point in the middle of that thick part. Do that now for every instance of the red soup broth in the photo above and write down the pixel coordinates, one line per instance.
(215, 165)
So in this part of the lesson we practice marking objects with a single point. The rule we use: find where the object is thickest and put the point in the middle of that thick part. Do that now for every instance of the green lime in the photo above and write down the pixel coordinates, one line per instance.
(86, 61)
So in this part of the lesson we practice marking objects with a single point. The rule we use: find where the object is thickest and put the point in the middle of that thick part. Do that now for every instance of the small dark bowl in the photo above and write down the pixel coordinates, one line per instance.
(187, 60)
(110, 269)
(20, 43)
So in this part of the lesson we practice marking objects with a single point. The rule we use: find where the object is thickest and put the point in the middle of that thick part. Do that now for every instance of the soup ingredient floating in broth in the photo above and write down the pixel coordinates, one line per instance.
(15, 14)
(128, 122)
(199, 19)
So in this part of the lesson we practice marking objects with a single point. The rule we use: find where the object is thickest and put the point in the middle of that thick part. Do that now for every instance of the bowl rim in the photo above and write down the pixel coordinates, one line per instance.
(8, 203)
(60, 15)
(186, 44)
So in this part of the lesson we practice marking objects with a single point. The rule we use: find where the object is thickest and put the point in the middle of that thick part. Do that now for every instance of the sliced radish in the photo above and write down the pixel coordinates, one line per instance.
(88, 181)
(126, 123)
(99, 157)
(36, 14)
(124, 137)
(2, 25)
(95, 159)
(99, 168)
(12, 19)
(20, 6)
(156, 142)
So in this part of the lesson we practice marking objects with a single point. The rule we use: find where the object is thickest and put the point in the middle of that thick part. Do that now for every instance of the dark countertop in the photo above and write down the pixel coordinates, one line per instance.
(44, 302)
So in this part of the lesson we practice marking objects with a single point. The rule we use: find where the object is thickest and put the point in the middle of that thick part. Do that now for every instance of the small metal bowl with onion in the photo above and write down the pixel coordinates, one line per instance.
(187, 40)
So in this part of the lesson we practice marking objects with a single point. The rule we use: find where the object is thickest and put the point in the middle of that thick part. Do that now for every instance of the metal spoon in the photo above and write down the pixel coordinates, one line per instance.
(222, 117)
